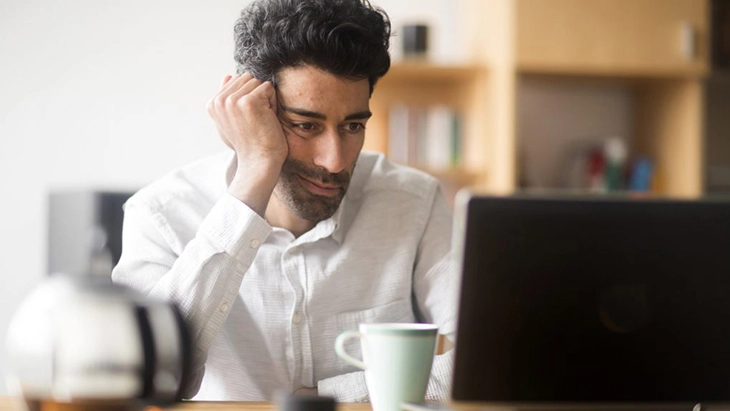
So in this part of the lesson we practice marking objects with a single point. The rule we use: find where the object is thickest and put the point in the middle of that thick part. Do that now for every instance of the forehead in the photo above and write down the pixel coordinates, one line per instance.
(310, 88)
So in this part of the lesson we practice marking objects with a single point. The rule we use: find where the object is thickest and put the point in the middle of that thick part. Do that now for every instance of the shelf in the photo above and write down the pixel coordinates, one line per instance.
(650, 55)
(560, 116)
(454, 175)
(653, 38)
(409, 72)
(622, 72)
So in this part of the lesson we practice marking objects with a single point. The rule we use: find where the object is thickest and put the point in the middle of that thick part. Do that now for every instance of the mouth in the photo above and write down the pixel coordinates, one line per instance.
(319, 188)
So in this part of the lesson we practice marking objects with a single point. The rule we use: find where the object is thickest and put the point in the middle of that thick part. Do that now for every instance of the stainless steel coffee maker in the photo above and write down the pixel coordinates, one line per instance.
(85, 343)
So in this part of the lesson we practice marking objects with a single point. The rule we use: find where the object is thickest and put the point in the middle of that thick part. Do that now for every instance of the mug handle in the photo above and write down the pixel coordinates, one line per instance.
(340, 348)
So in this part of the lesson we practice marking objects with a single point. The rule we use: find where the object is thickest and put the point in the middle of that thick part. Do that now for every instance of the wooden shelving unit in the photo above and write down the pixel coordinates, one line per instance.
(658, 50)
(423, 84)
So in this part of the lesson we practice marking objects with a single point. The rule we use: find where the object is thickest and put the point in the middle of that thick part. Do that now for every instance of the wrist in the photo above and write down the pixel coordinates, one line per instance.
(254, 183)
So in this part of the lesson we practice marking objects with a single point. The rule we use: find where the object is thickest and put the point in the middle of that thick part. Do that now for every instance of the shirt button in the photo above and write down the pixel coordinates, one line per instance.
(255, 243)
(296, 319)
(224, 307)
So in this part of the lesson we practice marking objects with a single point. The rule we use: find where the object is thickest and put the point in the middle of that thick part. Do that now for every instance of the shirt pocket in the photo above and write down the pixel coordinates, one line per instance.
(400, 311)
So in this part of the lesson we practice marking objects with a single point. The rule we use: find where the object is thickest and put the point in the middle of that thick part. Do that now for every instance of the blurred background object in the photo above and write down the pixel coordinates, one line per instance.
(85, 231)
(414, 40)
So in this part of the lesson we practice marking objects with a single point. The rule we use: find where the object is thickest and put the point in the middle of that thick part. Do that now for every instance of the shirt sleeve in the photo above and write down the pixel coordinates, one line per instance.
(436, 279)
(202, 277)
(436, 282)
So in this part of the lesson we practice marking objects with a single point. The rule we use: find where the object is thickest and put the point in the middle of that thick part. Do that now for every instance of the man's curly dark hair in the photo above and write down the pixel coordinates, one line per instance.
(347, 38)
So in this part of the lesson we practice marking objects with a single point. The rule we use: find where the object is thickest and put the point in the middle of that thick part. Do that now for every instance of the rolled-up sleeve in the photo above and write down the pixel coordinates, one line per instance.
(202, 276)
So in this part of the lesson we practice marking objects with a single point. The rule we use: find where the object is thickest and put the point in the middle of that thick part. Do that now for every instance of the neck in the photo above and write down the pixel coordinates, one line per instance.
(279, 215)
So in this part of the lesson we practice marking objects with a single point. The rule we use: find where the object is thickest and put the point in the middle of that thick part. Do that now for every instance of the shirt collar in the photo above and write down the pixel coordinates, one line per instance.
(338, 231)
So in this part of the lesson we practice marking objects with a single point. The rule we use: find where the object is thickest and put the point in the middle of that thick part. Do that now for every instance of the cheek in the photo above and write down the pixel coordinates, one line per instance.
(299, 148)
(351, 149)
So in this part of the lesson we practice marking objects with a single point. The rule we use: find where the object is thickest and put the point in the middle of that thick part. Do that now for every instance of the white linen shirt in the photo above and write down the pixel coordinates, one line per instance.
(264, 307)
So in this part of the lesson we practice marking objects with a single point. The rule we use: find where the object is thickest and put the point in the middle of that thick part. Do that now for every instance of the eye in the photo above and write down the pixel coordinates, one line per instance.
(305, 126)
(304, 129)
(354, 127)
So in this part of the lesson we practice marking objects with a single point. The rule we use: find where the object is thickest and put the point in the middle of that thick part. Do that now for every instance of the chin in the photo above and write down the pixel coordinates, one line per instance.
(314, 211)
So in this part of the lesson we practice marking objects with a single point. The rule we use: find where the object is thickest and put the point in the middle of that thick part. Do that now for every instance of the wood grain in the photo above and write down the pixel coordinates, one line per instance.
(14, 404)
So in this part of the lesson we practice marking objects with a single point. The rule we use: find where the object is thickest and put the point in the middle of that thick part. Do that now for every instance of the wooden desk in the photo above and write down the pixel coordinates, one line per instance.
(13, 404)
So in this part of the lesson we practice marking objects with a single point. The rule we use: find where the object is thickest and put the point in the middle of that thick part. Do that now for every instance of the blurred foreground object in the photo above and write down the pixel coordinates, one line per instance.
(85, 343)
(305, 402)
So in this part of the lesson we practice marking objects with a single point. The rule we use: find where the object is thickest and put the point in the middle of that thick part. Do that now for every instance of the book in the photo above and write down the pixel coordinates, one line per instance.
(427, 137)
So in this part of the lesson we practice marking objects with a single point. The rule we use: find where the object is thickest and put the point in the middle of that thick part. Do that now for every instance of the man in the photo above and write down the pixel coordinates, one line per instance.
(273, 250)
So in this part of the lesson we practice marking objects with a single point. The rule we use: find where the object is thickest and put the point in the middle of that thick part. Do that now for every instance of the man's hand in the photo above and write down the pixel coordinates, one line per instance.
(245, 113)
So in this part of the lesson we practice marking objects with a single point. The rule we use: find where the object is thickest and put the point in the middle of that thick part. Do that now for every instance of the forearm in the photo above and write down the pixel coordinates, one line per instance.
(439, 386)
(202, 277)
(345, 388)
(205, 278)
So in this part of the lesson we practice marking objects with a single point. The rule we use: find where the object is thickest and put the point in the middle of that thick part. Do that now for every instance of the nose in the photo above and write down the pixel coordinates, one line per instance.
(329, 152)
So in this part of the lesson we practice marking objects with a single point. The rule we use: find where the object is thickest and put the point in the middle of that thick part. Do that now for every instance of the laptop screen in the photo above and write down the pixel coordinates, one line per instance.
(593, 300)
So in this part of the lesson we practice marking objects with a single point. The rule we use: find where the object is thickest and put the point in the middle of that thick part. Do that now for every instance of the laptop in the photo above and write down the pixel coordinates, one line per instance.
(592, 303)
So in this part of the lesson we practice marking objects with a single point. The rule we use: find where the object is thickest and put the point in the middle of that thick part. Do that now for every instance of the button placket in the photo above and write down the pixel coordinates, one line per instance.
(306, 374)
(292, 264)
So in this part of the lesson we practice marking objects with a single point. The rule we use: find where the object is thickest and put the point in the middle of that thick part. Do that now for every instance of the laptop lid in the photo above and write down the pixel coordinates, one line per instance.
(592, 300)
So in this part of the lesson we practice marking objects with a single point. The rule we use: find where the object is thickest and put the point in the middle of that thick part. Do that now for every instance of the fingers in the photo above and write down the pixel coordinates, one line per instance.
(270, 92)
(242, 104)
(233, 84)
(246, 88)
(218, 99)
(237, 87)
(226, 78)
(229, 85)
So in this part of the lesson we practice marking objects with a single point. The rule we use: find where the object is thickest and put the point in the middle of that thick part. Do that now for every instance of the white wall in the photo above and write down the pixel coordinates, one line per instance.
(99, 94)
(110, 94)
(445, 19)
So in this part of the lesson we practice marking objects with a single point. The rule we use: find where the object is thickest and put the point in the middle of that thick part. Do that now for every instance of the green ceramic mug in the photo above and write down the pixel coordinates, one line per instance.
(397, 360)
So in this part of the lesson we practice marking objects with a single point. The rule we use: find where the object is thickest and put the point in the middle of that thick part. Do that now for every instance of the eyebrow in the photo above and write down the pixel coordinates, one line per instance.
(360, 115)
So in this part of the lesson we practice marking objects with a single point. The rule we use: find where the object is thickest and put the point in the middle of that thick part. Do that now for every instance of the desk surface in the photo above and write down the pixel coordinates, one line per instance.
(13, 404)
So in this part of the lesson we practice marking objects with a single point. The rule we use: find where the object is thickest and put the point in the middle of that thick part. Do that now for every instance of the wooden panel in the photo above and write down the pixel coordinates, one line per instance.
(14, 404)
(669, 130)
(491, 40)
(432, 73)
(248, 406)
(476, 153)
(629, 37)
